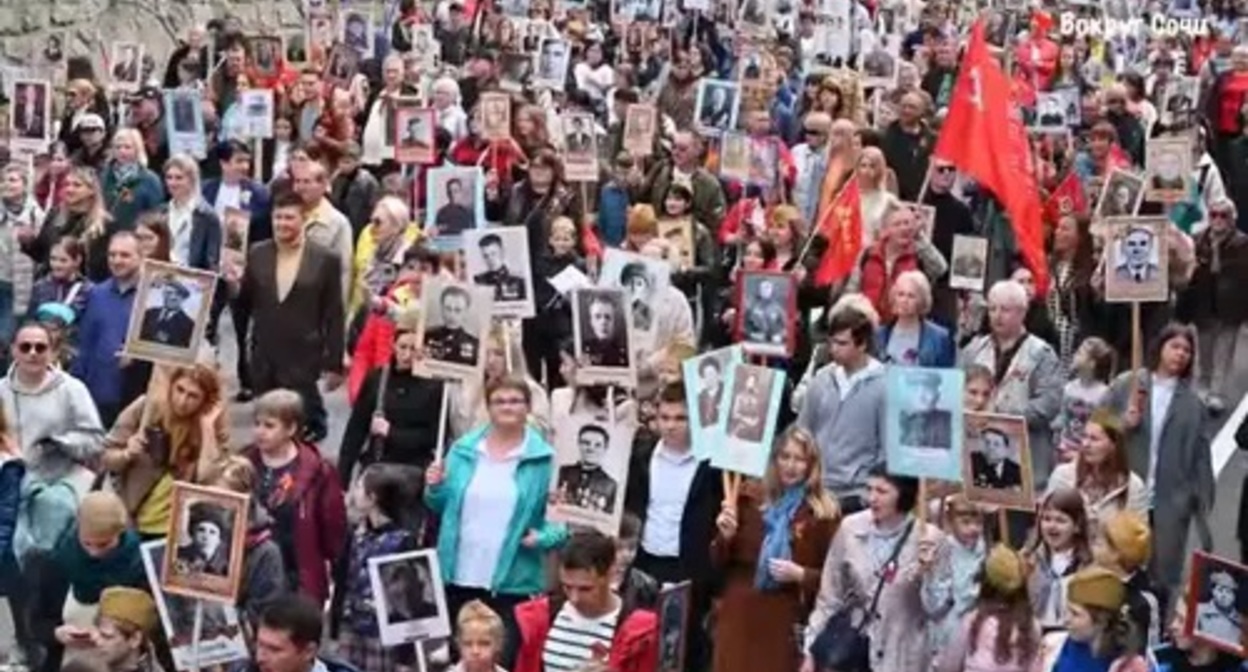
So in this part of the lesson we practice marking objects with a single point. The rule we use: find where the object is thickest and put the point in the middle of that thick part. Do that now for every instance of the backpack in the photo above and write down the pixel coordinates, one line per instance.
(47, 509)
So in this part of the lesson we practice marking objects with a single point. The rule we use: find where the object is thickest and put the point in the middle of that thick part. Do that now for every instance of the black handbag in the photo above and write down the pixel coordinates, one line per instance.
(843, 644)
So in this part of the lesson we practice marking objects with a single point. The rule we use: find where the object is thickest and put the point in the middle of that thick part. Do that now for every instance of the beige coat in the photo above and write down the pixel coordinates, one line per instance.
(899, 635)
(1101, 510)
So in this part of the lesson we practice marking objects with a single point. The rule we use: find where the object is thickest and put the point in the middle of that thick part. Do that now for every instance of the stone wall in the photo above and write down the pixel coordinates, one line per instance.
(88, 27)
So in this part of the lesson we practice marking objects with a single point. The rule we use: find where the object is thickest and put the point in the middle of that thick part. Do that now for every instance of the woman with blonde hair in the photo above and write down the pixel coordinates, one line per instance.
(911, 339)
(771, 543)
(82, 215)
(129, 187)
(504, 358)
(194, 226)
(379, 251)
(447, 103)
(176, 432)
(878, 192)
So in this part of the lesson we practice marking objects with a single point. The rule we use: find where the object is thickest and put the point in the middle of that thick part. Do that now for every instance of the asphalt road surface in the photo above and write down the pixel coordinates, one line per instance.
(1231, 465)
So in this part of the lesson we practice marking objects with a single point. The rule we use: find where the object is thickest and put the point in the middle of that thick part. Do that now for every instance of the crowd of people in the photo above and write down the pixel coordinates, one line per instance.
(830, 560)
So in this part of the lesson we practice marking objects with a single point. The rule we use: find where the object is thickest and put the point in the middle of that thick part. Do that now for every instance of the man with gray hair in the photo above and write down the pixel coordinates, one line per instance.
(1027, 371)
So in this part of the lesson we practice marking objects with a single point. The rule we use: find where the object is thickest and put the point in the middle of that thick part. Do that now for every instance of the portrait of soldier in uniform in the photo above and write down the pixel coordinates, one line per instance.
(451, 341)
(1218, 617)
(1137, 258)
(507, 286)
(603, 331)
(166, 322)
(925, 425)
(586, 484)
(994, 464)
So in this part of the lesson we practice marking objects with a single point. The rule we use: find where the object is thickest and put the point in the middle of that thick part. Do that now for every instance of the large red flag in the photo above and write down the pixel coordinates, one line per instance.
(984, 137)
(841, 226)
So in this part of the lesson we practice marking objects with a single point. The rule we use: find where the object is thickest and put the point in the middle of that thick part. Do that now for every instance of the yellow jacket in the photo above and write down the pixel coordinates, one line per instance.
(365, 250)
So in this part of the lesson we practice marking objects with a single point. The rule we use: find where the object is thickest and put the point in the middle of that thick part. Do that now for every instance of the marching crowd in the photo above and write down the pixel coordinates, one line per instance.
(830, 561)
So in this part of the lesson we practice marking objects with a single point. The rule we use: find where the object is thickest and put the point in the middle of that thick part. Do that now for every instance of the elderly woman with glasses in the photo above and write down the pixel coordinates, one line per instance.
(1211, 301)
(490, 493)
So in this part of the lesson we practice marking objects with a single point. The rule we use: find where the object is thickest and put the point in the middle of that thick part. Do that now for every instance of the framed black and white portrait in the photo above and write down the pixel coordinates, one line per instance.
(454, 322)
(602, 326)
(996, 462)
(1178, 104)
(221, 638)
(171, 314)
(924, 422)
(553, 57)
(640, 128)
(880, 62)
(341, 65)
(1168, 169)
(357, 32)
(592, 451)
(705, 377)
(495, 116)
(126, 65)
(455, 204)
(497, 259)
(515, 71)
(1121, 195)
(1217, 600)
(210, 529)
(750, 410)
(580, 148)
(1051, 110)
(408, 597)
(266, 55)
(1136, 259)
(674, 608)
(414, 129)
(184, 121)
(766, 312)
(30, 115)
(642, 279)
(717, 105)
(969, 268)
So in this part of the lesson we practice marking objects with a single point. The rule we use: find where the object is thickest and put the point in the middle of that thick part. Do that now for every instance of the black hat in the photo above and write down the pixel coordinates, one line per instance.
(206, 512)
(146, 93)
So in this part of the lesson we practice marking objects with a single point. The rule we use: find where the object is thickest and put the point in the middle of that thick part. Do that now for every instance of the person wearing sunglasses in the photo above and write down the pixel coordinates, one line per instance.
(1211, 298)
(60, 430)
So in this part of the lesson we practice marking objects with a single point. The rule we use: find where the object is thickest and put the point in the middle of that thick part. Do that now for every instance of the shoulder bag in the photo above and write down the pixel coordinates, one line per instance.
(843, 644)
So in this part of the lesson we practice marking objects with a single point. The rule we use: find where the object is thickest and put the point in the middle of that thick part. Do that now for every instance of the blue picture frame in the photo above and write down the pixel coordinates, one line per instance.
(923, 434)
(435, 180)
(749, 411)
(707, 424)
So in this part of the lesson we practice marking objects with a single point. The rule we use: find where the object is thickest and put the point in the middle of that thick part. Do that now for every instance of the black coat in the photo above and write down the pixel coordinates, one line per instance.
(411, 404)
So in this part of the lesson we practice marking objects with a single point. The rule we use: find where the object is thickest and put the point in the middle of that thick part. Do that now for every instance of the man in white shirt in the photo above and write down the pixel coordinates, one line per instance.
(677, 496)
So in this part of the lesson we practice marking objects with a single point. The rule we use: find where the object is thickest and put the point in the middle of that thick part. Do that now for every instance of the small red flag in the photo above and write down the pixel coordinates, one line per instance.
(1068, 198)
(841, 226)
(590, 241)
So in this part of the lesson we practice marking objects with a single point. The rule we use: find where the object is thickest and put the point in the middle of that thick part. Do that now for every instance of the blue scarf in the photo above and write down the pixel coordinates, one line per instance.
(777, 519)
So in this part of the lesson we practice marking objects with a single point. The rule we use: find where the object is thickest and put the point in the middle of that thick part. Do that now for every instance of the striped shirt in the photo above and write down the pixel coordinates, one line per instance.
(575, 640)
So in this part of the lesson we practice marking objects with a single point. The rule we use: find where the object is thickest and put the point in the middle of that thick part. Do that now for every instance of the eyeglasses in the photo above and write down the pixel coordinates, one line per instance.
(945, 169)
(1220, 214)
(27, 347)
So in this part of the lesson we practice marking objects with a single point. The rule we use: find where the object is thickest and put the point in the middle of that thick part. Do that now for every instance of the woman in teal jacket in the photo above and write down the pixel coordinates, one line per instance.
(490, 492)
(130, 188)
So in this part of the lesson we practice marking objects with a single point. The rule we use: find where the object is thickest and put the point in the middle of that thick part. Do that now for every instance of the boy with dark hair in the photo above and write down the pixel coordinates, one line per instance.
(586, 622)
(843, 409)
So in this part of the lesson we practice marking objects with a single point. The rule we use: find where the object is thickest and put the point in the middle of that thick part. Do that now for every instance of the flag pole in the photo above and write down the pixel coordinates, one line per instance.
(853, 174)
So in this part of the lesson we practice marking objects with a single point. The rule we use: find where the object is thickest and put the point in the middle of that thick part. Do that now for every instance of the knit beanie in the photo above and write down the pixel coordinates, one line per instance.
(1128, 534)
(101, 514)
(1098, 588)
(129, 605)
(1004, 570)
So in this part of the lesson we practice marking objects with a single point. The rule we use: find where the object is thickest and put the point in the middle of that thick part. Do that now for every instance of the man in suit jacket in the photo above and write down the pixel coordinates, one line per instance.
(168, 324)
(676, 538)
(993, 467)
(291, 285)
(235, 189)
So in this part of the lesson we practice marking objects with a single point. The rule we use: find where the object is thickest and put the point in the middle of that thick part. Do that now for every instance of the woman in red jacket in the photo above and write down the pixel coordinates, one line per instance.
(585, 611)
